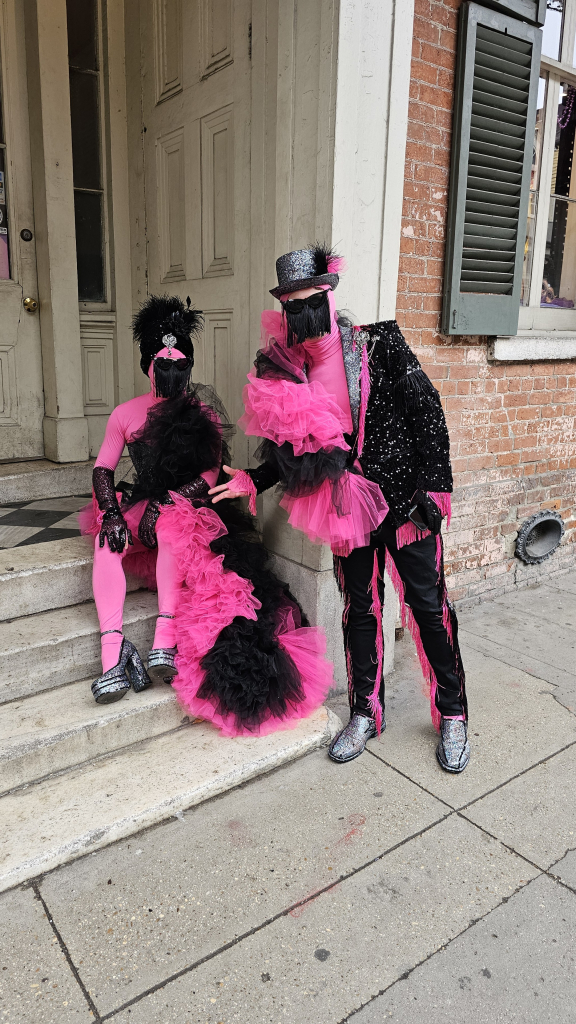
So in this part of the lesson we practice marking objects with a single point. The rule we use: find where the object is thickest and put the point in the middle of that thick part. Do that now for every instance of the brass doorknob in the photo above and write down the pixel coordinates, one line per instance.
(30, 305)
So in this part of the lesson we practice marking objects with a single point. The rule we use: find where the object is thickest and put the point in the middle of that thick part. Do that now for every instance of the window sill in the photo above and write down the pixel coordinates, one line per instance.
(533, 347)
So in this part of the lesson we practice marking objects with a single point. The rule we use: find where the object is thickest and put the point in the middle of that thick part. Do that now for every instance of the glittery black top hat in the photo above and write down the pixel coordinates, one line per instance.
(306, 268)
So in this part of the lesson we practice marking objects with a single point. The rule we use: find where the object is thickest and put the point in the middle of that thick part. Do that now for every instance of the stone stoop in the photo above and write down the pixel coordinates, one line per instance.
(75, 775)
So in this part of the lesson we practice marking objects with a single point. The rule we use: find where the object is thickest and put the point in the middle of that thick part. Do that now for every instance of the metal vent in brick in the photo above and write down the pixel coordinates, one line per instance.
(494, 114)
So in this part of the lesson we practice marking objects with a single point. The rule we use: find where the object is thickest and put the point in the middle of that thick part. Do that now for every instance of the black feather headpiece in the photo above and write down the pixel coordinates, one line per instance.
(164, 317)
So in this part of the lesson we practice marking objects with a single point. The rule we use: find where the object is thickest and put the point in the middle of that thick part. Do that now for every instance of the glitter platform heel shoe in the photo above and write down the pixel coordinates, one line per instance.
(161, 664)
(128, 671)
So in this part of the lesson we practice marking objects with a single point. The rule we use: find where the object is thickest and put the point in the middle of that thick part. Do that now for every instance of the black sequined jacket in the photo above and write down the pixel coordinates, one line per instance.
(406, 445)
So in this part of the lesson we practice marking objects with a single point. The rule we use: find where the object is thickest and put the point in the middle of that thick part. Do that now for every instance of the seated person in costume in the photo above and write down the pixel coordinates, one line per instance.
(230, 637)
(354, 432)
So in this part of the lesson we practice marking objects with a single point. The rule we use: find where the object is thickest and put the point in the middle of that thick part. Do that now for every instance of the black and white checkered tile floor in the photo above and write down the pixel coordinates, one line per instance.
(34, 522)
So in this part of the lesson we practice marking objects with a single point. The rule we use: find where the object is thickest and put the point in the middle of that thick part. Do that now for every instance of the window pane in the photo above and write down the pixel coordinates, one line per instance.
(4, 249)
(81, 19)
(559, 282)
(89, 246)
(552, 30)
(534, 187)
(85, 129)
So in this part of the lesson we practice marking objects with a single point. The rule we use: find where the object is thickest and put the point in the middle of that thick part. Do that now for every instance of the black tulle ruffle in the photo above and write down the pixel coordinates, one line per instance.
(248, 673)
(178, 442)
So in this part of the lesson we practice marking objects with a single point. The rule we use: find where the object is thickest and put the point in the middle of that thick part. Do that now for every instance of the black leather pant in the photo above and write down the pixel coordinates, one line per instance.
(416, 565)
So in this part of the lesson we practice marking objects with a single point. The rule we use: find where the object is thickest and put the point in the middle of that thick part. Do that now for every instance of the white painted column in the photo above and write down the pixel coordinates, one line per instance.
(65, 427)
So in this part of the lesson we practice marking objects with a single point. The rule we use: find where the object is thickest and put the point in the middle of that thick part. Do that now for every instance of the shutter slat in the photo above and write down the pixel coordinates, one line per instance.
(510, 82)
(495, 173)
(487, 123)
(495, 289)
(499, 88)
(482, 241)
(477, 231)
(490, 100)
(502, 52)
(496, 85)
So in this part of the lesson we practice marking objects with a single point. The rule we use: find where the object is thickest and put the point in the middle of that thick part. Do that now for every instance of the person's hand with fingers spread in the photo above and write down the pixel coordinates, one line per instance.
(240, 486)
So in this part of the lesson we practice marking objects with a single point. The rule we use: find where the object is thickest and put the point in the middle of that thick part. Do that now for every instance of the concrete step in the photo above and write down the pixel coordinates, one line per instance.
(66, 816)
(54, 730)
(38, 652)
(40, 478)
(40, 577)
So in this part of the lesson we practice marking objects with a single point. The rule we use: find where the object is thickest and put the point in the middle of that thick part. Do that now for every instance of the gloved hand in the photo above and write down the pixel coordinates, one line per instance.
(115, 529)
(114, 526)
(147, 527)
(429, 511)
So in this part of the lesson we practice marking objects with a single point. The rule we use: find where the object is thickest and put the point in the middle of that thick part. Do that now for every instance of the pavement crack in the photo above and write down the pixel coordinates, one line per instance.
(409, 779)
(38, 895)
(271, 920)
(435, 952)
(512, 778)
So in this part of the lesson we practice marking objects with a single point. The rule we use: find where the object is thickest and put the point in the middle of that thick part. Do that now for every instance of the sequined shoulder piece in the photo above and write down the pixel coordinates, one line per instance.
(352, 344)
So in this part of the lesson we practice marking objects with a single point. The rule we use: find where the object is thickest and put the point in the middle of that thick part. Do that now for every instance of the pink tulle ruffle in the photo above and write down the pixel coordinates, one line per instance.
(210, 599)
(316, 515)
(303, 414)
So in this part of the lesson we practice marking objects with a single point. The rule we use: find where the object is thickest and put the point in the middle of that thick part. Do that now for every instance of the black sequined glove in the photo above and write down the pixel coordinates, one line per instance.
(114, 527)
(147, 527)
(428, 510)
(196, 491)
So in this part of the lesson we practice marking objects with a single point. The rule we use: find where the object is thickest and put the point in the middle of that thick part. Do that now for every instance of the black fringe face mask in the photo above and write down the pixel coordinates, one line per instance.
(171, 377)
(310, 321)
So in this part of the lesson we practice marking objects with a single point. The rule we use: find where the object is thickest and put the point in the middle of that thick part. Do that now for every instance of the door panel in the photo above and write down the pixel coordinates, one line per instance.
(196, 103)
(21, 387)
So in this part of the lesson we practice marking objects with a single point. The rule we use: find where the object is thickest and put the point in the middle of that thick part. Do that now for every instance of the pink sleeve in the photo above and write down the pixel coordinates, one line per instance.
(211, 476)
(114, 441)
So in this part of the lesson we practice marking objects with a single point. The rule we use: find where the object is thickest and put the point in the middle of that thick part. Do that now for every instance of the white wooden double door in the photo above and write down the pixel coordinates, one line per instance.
(196, 142)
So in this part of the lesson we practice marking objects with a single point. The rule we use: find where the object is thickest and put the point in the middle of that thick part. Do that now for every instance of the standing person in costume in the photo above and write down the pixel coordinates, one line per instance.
(355, 434)
(229, 635)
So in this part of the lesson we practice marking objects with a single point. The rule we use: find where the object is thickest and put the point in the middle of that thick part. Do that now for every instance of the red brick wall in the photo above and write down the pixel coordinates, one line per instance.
(512, 426)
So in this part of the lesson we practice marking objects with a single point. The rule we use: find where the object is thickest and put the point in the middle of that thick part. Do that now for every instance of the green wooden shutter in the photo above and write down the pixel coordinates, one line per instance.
(493, 135)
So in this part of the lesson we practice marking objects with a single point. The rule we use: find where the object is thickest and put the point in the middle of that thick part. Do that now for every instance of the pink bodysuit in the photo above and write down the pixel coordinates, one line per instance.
(108, 578)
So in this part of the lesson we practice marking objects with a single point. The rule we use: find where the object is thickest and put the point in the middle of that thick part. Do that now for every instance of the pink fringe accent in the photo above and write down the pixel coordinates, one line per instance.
(408, 621)
(280, 410)
(438, 554)
(376, 609)
(243, 484)
(211, 597)
(444, 502)
(408, 533)
(364, 396)
(337, 265)
(363, 509)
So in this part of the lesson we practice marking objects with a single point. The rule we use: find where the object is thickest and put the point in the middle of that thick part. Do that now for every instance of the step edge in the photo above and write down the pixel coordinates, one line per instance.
(125, 826)
(45, 738)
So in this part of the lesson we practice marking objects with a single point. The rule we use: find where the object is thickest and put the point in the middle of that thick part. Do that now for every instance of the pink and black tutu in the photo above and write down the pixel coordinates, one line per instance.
(247, 659)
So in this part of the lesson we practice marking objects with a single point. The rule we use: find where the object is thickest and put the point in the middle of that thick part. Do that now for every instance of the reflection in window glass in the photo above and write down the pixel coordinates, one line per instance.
(552, 29)
(534, 191)
(4, 249)
(86, 148)
(559, 279)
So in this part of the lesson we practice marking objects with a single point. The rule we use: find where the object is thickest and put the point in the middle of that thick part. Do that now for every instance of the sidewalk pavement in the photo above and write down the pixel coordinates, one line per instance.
(320, 893)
